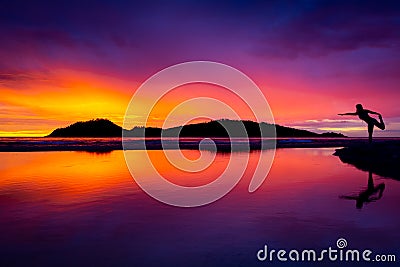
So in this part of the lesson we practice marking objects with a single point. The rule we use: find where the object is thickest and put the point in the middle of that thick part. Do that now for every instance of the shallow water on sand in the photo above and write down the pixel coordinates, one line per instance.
(85, 209)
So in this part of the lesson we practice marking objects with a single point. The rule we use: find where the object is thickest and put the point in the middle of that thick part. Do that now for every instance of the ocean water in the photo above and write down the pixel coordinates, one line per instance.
(85, 209)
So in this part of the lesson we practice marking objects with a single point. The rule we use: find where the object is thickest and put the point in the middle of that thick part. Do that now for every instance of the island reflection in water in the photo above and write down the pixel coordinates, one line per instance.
(81, 209)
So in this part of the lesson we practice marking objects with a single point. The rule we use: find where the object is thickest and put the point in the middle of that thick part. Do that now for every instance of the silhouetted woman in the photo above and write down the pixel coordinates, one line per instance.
(363, 115)
(368, 195)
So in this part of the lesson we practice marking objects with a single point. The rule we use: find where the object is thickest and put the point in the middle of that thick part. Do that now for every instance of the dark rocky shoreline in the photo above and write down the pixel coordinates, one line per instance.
(381, 158)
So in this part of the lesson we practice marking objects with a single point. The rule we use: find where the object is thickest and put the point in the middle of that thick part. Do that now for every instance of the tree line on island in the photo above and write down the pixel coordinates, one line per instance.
(215, 128)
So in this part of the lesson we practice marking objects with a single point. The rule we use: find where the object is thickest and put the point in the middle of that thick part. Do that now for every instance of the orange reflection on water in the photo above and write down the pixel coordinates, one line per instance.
(71, 177)
(177, 170)
(63, 176)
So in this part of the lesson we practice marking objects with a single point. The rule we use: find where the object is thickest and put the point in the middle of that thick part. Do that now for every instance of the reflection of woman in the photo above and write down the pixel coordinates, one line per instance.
(363, 115)
(368, 195)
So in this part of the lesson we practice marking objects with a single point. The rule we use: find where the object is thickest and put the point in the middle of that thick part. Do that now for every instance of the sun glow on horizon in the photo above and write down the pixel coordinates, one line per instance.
(35, 105)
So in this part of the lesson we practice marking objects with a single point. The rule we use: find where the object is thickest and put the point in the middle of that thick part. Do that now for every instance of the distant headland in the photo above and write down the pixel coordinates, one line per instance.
(216, 128)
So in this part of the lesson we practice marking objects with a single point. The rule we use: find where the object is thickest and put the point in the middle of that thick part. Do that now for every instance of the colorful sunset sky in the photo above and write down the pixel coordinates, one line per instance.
(68, 61)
